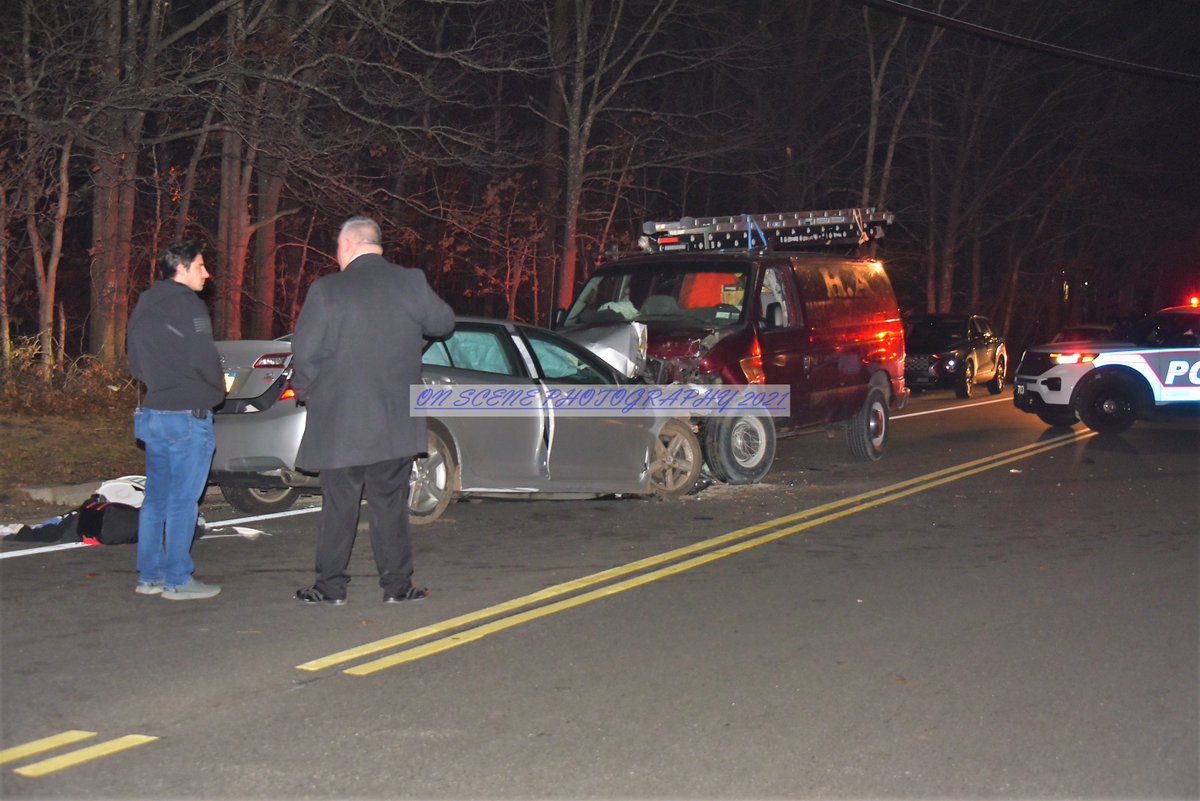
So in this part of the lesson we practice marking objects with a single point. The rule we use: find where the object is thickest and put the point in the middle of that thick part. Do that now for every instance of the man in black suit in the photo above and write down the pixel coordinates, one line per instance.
(356, 350)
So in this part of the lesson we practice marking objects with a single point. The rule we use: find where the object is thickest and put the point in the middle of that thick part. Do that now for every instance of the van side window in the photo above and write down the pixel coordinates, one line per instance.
(776, 301)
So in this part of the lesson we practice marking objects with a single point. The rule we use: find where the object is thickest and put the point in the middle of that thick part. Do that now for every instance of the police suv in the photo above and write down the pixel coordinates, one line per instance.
(1152, 371)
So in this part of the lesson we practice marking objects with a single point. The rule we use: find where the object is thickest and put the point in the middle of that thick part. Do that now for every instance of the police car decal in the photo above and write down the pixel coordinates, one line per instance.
(1173, 375)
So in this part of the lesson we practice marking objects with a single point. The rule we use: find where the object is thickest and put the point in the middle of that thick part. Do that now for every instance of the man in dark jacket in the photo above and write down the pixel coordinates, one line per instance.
(356, 350)
(171, 351)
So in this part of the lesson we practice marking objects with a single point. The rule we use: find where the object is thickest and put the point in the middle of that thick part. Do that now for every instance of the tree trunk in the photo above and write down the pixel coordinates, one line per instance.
(270, 190)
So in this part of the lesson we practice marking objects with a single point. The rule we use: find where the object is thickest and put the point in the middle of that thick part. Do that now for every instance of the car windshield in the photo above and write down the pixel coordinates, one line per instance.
(925, 336)
(683, 292)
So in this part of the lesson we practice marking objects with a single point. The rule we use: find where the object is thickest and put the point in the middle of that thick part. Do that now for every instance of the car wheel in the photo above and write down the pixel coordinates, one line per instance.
(1108, 404)
(1058, 417)
(260, 500)
(677, 461)
(966, 385)
(433, 481)
(996, 385)
(740, 450)
(867, 431)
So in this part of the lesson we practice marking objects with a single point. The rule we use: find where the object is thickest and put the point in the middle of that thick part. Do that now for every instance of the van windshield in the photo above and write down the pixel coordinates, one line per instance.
(680, 292)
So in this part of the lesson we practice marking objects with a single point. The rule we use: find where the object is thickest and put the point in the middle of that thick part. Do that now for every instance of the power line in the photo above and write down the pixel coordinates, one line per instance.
(1033, 44)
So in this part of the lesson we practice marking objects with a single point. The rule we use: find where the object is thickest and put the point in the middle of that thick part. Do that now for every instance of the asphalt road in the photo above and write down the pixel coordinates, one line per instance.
(994, 609)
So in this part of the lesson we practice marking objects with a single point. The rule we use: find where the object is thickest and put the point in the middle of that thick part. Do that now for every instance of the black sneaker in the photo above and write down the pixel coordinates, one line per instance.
(411, 594)
(311, 595)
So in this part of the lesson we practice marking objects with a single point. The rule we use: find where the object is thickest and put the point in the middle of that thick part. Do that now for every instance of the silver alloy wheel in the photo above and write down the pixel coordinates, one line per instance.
(431, 483)
(676, 462)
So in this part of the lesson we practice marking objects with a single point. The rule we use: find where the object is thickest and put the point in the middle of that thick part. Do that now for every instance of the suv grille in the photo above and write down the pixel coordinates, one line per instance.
(1034, 364)
(918, 364)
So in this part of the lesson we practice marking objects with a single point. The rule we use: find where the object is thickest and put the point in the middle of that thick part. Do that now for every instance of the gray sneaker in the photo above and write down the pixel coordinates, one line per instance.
(149, 587)
(192, 591)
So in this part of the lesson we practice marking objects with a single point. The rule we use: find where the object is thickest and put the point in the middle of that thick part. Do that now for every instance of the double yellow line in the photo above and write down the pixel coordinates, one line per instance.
(72, 758)
(659, 566)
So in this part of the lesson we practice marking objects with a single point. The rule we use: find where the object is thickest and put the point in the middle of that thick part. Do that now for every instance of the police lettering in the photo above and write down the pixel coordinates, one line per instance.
(1178, 367)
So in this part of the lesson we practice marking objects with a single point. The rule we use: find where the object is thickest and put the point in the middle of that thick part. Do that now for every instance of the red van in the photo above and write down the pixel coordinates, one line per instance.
(764, 299)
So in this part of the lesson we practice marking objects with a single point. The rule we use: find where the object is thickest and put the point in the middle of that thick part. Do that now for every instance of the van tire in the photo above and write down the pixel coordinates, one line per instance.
(260, 500)
(740, 450)
(867, 431)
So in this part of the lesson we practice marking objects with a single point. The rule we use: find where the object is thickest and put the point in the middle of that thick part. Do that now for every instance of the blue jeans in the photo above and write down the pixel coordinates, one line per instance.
(179, 451)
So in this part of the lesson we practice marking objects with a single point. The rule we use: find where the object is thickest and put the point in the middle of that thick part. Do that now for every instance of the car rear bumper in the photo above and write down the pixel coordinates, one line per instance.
(258, 442)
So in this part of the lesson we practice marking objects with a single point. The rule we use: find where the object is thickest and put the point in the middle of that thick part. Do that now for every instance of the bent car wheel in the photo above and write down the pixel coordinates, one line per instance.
(433, 481)
(867, 431)
(740, 450)
(1107, 404)
(1058, 417)
(676, 462)
(260, 500)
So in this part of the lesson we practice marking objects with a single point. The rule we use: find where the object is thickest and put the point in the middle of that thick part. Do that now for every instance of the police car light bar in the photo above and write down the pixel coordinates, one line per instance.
(782, 231)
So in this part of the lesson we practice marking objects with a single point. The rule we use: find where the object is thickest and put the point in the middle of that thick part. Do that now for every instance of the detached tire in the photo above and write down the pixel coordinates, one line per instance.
(260, 500)
(867, 431)
(740, 450)
(433, 481)
(1108, 404)
(677, 460)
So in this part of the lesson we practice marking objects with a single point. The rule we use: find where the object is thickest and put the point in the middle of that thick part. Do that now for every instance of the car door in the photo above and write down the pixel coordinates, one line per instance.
(786, 353)
(495, 453)
(588, 453)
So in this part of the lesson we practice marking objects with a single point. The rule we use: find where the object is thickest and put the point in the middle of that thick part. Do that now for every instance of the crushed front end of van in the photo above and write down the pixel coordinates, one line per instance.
(763, 300)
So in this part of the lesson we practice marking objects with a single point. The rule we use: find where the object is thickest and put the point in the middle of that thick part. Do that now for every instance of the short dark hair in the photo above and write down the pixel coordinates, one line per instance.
(174, 256)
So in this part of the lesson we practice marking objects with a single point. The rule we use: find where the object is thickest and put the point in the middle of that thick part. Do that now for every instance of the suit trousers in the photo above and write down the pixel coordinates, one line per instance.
(386, 485)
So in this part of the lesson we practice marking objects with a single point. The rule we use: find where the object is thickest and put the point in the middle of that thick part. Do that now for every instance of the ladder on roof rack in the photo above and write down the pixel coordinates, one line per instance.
(783, 231)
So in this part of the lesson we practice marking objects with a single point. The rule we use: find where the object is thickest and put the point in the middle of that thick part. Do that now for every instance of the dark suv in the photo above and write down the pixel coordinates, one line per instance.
(724, 303)
(954, 350)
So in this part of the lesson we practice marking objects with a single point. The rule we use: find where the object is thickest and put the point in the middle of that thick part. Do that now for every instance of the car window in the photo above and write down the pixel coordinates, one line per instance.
(1168, 330)
(775, 306)
(485, 351)
(563, 361)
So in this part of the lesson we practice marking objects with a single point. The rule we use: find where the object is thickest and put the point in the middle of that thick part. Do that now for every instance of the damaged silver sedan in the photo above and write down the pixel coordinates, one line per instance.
(543, 454)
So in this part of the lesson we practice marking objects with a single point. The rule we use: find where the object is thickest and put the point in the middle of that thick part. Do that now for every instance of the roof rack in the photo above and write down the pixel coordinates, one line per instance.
(783, 231)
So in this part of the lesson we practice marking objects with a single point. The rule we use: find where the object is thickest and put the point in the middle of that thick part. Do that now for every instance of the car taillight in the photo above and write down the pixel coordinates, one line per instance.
(272, 361)
(288, 392)
(752, 364)
(1073, 358)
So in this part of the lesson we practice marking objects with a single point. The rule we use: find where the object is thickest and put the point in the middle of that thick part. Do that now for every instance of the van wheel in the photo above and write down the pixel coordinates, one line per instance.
(433, 481)
(677, 460)
(740, 450)
(867, 431)
(1059, 418)
(260, 500)
(966, 385)
(1108, 404)
(996, 385)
